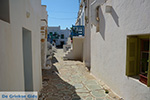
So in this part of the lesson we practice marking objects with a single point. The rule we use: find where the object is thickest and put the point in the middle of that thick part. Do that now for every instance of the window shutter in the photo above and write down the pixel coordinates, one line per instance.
(131, 56)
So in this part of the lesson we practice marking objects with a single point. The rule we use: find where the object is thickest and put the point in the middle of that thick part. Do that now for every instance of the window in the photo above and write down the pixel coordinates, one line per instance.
(51, 36)
(62, 36)
(138, 50)
(97, 18)
(4, 10)
(50, 33)
(56, 36)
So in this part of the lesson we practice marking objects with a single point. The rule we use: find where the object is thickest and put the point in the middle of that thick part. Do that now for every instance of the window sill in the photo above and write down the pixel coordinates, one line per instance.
(136, 79)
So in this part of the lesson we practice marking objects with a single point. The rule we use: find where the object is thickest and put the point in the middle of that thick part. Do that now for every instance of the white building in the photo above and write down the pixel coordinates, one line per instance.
(62, 34)
(44, 26)
(81, 14)
(20, 58)
(83, 19)
(120, 32)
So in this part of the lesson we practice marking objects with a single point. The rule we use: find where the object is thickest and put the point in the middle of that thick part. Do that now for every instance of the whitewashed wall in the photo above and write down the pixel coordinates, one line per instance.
(76, 53)
(108, 47)
(11, 52)
(87, 37)
(44, 22)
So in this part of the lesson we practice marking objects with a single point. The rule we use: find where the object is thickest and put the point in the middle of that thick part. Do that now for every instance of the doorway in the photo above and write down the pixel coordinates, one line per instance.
(27, 59)
(61, 44)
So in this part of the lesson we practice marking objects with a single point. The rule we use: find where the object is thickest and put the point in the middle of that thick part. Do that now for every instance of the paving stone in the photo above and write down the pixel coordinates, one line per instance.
(60, 86)
(83, 94)
(67, 92)
(53, 98)
(45, 83)
(49, 93)
(76, 99)
(89, 98)
(70, 87)
(61, 92)
(88, 76)
(70, 80)
(98, 93)
(78, 85)
(83, 79)
(93, 87)
(75, 76)
(74, 66)
(100, 98)
(90, 82)
(82, 90)
(108, 98)
(76, 80)
(75, 95)
(67, 97)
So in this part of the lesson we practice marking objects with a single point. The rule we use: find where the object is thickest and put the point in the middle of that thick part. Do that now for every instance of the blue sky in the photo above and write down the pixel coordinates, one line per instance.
(61, 12)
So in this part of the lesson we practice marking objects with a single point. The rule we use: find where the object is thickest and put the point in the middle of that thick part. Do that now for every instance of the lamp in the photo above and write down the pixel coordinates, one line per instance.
(108, 9)
(27, 14)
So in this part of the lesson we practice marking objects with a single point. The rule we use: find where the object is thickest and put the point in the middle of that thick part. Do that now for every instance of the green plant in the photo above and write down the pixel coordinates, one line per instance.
(146, 72)
(86, 18)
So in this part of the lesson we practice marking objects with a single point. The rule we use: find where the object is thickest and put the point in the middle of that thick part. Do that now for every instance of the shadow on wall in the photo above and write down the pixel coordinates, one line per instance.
(115, 16)
(102, 23)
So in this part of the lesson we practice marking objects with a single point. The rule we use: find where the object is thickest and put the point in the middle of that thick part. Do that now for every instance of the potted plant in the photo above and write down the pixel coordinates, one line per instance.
(86, 19)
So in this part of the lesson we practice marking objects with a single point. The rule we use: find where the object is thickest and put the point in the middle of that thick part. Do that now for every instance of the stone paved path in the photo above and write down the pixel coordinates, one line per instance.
(70, 80)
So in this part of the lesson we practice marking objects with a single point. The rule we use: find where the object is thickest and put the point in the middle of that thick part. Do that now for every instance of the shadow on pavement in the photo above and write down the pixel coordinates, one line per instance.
(54, 60)
(55, 88)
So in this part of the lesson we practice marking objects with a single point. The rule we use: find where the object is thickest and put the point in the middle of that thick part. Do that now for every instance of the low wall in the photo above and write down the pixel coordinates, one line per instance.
(77, 52)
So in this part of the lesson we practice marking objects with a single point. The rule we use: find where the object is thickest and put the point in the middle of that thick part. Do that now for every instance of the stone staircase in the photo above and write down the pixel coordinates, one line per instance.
(76, 51)
(67, 54)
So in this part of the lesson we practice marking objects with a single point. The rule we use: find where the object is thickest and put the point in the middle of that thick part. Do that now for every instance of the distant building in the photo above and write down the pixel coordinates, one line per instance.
(83, 19)
(81, 14)
(57, 35)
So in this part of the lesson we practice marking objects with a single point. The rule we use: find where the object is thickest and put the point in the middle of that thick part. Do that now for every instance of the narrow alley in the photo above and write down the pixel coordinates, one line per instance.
(74, 50)
(70, 80)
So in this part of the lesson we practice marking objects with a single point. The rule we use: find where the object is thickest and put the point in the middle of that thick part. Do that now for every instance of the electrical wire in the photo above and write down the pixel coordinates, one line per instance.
(62, 12)
(62, 18)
